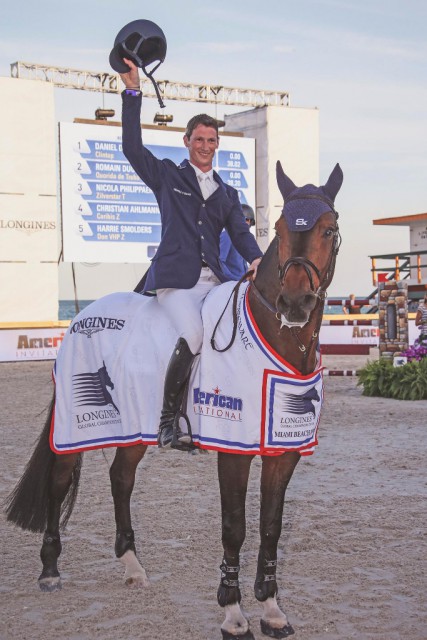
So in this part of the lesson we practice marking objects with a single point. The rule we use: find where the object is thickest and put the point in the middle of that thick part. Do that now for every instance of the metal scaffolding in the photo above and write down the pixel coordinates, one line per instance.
(183, 91)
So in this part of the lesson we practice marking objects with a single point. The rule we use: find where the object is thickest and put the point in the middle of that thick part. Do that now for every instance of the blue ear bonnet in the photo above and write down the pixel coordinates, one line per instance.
(303, 207)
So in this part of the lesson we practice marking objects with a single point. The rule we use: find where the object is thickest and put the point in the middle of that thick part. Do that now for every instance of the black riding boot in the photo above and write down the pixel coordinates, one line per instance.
(177, 373)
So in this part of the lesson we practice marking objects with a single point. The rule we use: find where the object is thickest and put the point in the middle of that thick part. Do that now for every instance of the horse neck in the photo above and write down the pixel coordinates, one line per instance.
(288, 343)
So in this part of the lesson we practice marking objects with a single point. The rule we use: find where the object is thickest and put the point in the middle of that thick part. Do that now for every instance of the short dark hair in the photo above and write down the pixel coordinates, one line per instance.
(201, 118)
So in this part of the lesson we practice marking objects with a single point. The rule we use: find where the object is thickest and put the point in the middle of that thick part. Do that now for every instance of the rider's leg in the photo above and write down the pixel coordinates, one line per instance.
(183, 307)
(177, 373)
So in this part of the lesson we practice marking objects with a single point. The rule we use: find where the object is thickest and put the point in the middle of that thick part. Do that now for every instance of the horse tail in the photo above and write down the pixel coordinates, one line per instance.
(27, 505)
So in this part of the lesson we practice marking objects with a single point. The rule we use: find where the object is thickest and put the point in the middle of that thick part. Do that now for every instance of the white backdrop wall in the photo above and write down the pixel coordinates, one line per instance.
(28, 202)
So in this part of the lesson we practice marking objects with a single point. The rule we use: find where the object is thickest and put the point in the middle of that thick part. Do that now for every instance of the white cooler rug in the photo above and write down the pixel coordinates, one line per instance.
(110, 370)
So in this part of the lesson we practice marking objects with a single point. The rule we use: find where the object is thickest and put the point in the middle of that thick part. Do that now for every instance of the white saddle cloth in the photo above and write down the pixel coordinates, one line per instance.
(110, 370)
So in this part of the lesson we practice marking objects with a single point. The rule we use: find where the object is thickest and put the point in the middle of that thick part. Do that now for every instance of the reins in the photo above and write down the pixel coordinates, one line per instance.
(235, 291)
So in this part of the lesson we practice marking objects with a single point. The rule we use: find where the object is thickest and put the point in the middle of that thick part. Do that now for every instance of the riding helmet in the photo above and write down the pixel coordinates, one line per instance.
(142, 41)
(248, 212)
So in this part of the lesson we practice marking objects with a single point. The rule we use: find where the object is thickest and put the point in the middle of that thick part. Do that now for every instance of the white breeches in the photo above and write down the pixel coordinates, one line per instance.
(184, 308)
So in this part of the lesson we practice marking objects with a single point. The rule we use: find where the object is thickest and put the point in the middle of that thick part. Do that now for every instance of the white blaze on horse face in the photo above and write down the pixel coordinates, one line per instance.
(135, 575)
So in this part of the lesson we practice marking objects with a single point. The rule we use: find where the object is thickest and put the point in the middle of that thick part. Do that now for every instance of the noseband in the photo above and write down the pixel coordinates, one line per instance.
(307, 265)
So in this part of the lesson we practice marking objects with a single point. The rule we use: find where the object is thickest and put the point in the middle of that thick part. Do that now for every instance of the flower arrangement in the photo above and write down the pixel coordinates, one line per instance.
(418, 351)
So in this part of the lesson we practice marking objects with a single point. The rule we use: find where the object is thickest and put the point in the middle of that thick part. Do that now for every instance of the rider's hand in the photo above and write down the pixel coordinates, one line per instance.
(254, 267)
(131, 78)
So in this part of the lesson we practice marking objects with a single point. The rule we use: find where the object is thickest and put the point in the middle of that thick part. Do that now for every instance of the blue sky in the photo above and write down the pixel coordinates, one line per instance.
(362, 63)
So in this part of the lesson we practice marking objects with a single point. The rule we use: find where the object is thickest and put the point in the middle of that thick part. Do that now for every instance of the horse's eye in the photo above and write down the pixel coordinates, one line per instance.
(329, 232)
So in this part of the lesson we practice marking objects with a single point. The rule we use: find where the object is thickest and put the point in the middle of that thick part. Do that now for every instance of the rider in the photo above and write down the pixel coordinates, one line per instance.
(195, 205)
(232, 263)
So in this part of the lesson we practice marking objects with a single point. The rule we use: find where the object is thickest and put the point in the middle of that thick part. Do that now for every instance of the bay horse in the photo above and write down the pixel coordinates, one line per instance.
(286, 304)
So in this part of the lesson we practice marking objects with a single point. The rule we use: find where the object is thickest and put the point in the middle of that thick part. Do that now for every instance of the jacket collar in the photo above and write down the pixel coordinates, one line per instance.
(189, 175)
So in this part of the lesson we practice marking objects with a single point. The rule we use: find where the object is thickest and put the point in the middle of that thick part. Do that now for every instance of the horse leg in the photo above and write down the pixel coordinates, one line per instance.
(122, 476)
(61, 478)
(233, 474)
(276, 474)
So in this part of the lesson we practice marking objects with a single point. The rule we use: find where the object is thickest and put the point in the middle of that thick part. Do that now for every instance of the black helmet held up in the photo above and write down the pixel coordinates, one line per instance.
(248, 212)
(142, 41)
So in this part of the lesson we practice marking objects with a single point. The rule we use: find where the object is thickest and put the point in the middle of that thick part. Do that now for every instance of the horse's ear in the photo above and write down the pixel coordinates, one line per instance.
(334, 182)
(284, 183)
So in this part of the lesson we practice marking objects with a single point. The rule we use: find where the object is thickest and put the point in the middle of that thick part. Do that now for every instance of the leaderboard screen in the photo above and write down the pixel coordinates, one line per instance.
(108, 213)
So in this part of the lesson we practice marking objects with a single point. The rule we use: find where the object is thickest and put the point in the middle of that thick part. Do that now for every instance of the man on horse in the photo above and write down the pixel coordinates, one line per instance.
(195, 205)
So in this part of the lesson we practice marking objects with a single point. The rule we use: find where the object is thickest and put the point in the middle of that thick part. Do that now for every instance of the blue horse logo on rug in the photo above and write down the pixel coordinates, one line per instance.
(91, 388)
(301, 404)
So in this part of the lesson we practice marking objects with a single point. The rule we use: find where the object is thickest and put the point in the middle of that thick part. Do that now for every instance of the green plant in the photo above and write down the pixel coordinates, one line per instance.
(381, 378)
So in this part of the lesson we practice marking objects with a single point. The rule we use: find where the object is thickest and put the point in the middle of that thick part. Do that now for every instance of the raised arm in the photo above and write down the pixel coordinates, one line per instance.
(145, 164)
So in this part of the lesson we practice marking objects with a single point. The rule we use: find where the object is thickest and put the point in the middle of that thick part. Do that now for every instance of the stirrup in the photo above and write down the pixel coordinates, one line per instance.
(180, 440)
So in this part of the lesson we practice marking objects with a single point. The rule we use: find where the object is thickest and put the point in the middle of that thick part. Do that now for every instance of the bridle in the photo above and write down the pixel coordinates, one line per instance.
(307, 264)
(309, 268)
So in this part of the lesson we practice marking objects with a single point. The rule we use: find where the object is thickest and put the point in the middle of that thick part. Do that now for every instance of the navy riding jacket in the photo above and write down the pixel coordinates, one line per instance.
(232, 263)
(191, 226)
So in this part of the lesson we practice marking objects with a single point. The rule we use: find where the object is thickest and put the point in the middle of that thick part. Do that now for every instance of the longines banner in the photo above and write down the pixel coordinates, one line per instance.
(28, 228)
(108, 213)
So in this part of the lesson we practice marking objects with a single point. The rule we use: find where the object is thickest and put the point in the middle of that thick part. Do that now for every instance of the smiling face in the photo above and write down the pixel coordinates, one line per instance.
(201, 146)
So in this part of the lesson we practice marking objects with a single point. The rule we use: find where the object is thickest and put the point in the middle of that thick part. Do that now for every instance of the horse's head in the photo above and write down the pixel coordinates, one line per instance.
(307, 240)
(104, 377)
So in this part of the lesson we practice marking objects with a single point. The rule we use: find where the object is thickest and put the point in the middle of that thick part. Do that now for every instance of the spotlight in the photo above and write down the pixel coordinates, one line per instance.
(103, 114)
(162, 119)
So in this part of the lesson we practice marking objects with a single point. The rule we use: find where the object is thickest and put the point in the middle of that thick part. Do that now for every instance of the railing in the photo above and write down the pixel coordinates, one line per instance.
(401, 269)
(345, 302)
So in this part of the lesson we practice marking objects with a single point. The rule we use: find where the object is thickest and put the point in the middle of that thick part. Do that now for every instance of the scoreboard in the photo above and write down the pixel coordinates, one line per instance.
(108, 213)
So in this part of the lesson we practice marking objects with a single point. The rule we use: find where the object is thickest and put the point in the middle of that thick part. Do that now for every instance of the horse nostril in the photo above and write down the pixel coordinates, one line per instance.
(309, 301)
(282, 304)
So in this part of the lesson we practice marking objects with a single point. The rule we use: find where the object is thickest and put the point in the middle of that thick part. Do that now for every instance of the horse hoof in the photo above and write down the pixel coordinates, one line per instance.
(137, 582)
(50, 584)
(248, 635)
(271, 632)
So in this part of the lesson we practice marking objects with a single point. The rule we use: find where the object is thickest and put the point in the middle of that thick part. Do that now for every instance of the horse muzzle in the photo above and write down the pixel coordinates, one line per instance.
(295, 311)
